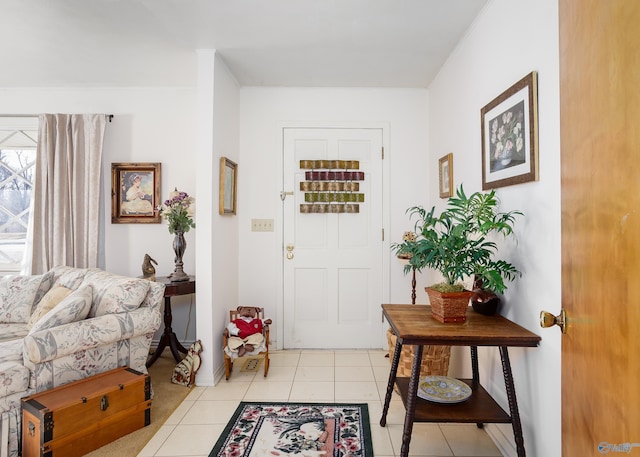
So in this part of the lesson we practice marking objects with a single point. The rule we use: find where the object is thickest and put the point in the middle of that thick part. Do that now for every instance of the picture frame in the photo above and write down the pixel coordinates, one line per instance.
(228, 186)
(135, 193)
(445, 175)
(509, 126)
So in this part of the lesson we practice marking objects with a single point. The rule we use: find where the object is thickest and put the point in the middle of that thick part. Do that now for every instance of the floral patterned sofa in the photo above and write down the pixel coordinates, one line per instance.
(65, 325)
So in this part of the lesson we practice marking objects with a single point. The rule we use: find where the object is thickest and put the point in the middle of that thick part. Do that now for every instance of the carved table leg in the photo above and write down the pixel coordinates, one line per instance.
(513, 404)
(476, 372)
(411, 401)
(392, 380)
(168, 337)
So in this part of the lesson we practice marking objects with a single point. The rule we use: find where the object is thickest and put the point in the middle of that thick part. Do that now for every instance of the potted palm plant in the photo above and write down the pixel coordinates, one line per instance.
(457, 244)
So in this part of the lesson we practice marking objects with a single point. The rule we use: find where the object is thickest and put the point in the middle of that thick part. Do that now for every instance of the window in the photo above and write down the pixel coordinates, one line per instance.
(18, 141)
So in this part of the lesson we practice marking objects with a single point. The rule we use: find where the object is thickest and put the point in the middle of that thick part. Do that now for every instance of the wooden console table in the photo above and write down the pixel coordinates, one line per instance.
(414, 325)
(169, 338)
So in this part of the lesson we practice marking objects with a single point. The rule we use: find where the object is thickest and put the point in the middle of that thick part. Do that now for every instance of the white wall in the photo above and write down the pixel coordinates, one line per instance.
(509, 40)
(187, 135)
(218, 260)
(263, 113)
(149, 125)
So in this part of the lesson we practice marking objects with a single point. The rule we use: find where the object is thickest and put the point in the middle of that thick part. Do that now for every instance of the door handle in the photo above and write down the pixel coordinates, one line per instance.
(289, 251)
(549, 320)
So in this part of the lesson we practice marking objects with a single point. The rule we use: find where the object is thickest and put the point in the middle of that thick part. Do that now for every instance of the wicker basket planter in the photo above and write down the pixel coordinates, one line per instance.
(435, 359)
(449, 307)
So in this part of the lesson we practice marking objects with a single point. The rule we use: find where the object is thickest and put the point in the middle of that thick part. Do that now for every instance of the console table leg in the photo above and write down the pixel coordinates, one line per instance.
(392, 380)
(411, 401)
(168, 338)
(474, 364)
(513, 404)
(476, 372)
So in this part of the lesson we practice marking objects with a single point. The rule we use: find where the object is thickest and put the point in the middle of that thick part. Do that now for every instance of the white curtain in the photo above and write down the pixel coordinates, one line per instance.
(66, 206)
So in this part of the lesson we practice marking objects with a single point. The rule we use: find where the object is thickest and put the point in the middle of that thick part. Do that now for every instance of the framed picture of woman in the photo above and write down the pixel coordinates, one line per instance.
(135, 193)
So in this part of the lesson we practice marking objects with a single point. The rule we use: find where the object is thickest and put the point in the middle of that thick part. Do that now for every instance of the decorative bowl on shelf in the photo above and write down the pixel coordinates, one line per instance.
(443, 389)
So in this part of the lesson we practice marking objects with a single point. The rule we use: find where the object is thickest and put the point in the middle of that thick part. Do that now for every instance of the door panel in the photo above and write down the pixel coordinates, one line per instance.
(333, 282)
(600, 144)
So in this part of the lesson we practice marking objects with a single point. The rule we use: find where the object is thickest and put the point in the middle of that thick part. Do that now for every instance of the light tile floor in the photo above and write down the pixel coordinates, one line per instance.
(316, 376)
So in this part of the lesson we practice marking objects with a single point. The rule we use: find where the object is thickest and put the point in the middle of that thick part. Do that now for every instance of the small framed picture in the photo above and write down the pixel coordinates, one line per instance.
(135, 193)
(228, 186)
(510, 135)
(445, 174)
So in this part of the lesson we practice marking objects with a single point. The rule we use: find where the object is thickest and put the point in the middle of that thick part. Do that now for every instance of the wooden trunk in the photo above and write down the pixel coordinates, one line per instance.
(81, 416)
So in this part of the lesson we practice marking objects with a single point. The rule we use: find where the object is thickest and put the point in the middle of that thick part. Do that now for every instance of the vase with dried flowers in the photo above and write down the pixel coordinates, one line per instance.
(177, 210)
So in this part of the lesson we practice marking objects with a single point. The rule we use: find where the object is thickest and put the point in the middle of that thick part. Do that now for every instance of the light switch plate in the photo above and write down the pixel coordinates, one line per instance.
(262, 225)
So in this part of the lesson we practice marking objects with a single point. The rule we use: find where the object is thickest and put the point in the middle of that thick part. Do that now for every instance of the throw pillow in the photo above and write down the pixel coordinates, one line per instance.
(72, 309)
(70, 277)
(45, 285)
(48, 302)
(115, 293)
(17, 294)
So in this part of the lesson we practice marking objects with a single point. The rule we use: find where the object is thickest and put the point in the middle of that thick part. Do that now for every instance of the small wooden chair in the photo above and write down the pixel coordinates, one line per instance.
(262, 350)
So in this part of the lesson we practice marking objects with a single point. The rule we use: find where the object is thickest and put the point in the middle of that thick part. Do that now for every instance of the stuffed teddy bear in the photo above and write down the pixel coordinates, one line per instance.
(245, 332)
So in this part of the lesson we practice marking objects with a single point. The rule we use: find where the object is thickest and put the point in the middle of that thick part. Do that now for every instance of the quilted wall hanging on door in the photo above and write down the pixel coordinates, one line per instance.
(332, 186)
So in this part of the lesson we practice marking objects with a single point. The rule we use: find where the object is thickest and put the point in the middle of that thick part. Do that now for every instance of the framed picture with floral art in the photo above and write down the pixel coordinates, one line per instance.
(509, 126)
(135, 193)
(445, 175)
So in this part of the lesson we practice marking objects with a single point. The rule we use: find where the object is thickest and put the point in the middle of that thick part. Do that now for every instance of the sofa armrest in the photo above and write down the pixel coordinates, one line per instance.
(70, 338)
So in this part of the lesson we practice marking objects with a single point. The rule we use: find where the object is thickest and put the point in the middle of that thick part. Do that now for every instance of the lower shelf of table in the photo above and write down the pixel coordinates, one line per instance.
(479, 408)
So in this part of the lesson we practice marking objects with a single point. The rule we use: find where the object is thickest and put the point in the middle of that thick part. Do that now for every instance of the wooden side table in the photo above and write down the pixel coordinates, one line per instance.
(414, 325)
(169, 338)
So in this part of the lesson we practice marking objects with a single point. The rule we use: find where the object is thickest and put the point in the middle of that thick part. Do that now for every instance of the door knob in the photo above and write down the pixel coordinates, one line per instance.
(289, 251)
(549, 320)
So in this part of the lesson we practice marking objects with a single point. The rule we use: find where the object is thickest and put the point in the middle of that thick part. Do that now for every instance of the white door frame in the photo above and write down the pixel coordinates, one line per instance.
(384, 126)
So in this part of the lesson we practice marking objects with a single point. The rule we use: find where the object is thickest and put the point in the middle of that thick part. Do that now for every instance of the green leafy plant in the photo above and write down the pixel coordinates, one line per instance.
(176, 211)
(455, 242)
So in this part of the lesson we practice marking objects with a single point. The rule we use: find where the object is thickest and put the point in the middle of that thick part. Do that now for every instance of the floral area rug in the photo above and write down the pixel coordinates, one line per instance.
(296, 429)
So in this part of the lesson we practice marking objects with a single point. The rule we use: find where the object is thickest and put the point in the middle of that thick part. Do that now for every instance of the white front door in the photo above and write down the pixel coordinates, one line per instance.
(332, 261)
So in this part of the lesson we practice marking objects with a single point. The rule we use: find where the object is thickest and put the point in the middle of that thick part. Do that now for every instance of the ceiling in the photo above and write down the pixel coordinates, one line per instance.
(324, 43)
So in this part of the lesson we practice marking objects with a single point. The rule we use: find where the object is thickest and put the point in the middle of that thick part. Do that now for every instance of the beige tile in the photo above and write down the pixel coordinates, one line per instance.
(378, 358)
(156, 441)
(382, 389)
(469, 440)
(426, 440)
(381, 440)
(354, 373)
(317, 359)
(195, 393)
(276, 374)
(269, 391)
(177, 414)
(356, 391)
(190, 440)
(315, 391)
(226, 390)
(352, 359)
(315, 374)
(381, 373)
(284, 359)
(396, 413)
(210, 412)
(320, 376)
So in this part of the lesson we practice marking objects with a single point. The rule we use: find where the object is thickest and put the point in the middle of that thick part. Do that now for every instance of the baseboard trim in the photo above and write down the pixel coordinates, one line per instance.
(505, 443)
